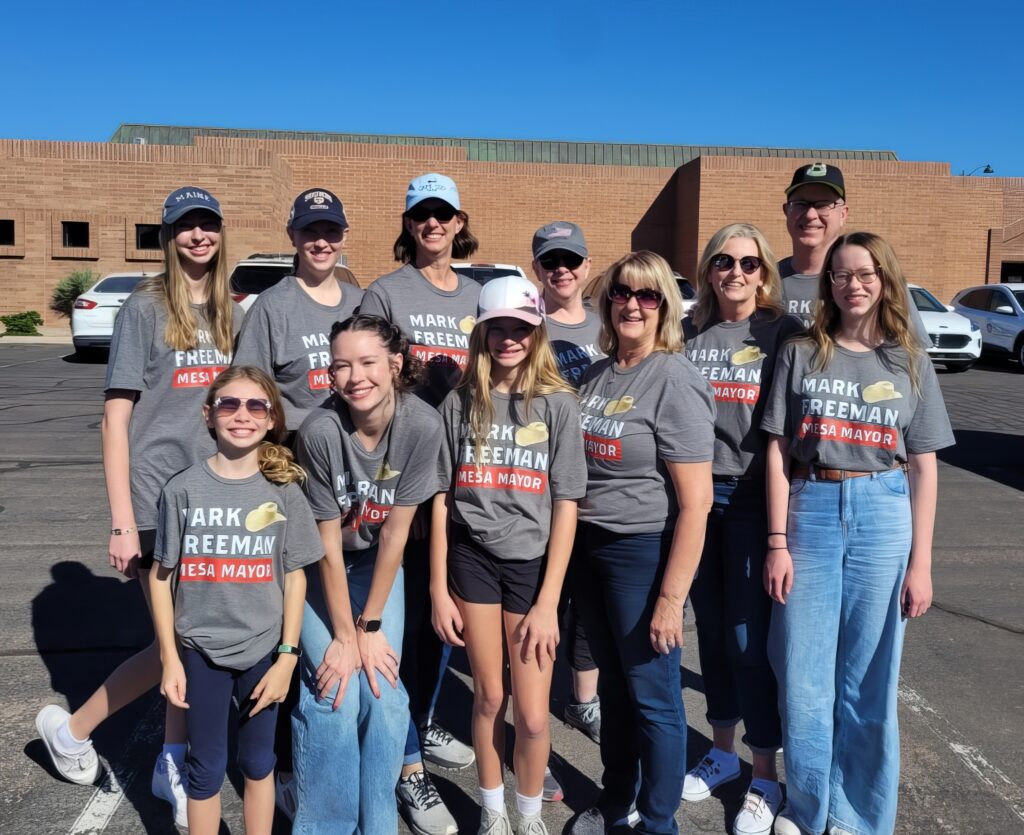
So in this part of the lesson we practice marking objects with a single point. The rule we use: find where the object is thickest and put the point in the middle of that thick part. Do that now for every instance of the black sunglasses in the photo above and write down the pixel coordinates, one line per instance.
(750, 264)
(553, 260)
(255, 406)
(647, 299)
(442, 213)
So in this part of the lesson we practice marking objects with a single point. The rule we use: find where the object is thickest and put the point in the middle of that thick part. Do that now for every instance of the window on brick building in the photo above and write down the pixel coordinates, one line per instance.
(147, 236)
(75, 234)
(6, 232)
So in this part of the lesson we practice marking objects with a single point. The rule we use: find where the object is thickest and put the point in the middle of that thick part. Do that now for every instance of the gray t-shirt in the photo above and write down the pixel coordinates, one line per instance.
(575, 346)
(738, 359)
(437, 323)
(634, 420)
(286, 333)
(527, 462)
(167, 432)
(344, 481)
(232, 541)
(860, 413)
(800, 297)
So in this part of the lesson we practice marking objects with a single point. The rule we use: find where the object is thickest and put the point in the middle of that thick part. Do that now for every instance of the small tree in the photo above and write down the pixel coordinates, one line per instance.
(70, 288)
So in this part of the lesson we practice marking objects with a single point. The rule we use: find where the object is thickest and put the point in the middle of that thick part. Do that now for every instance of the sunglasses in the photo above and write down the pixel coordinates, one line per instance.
(552, 261)
(748, 263)
(441, 213)
(647, 299)
(257, 407)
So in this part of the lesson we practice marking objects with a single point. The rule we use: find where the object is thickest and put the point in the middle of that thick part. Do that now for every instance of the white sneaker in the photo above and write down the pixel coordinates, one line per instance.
(82, 768)
(784, 826)
(494, 823)
(286, 796)
(531, 825)
(716, 768)
(169, 784)
(760, 806)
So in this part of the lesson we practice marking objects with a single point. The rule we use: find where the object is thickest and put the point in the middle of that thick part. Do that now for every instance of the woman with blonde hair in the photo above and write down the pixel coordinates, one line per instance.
(502, 531)
(648, 421)
(171, 339)
(733, 337)
(855, 416)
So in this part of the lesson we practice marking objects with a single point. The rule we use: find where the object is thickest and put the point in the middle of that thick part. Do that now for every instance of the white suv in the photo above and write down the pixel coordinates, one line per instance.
(998, 309)
(955, 339)
(261, 271)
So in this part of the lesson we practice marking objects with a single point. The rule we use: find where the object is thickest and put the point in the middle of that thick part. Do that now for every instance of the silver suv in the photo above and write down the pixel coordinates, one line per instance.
(998, 309)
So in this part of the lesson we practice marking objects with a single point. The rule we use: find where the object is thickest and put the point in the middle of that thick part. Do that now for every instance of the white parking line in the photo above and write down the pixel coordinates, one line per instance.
(971, 757)
(101, 807)
(30, 362)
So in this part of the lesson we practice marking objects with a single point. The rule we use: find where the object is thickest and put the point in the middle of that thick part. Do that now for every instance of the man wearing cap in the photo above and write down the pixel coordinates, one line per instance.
(816, 212)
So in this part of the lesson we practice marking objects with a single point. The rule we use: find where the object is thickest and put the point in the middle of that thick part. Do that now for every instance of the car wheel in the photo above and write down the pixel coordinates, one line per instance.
(957, 367)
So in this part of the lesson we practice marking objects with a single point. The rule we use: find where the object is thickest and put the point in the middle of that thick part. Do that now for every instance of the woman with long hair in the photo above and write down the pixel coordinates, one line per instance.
(855, 416)
(733, 336)
(648, 421)
(370, 455)
(171, 339)
(512, 470)
(435, 308)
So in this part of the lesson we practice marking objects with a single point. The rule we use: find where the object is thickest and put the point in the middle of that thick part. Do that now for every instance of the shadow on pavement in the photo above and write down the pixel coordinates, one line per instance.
(995, 455)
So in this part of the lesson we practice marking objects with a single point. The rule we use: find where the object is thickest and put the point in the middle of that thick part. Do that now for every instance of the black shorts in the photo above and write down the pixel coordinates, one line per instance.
(147, 544)
(477, 576)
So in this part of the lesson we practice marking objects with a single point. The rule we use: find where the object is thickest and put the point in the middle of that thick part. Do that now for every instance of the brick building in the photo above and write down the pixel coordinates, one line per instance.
(73, 205)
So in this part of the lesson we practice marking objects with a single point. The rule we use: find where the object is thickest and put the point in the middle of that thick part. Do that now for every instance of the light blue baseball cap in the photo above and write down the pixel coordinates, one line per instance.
(432, 185)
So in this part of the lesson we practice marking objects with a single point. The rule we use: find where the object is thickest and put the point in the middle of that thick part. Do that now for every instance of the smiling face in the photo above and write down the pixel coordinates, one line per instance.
(238, 431)
(809, 229)
(433, 237)
(508, 341)
(635, 326)
(562, 284)
(363, 373)
(197, 237)
(319, 246)
(856, 300)
(735, 290)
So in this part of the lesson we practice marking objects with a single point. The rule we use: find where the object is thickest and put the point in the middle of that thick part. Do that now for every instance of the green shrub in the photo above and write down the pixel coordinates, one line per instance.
(22, 324)
(70, 288)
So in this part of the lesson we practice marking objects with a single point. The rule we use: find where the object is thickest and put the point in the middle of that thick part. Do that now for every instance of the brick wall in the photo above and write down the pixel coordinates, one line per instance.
(939, 224)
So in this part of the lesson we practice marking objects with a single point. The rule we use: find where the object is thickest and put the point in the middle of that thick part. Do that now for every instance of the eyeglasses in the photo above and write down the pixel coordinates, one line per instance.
(748, 263)
(822, 207)
(553, 260)
(442, 213)
(867, 275)
(647, 299)
(257, 407)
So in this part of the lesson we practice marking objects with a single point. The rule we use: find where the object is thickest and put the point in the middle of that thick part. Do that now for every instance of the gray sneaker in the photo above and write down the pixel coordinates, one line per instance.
(586, 717)
(494, 823)
(552, 788)
(441, 748)
(81, 768)
(531, 825)
(422, 808)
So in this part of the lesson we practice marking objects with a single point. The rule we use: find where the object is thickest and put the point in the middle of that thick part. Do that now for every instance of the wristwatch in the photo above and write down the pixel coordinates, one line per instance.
(287, 649)
(368, 625)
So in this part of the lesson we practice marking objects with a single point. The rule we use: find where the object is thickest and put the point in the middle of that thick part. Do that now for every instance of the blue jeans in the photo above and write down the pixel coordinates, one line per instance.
(835, 647)
(616, 588)
(733, 612)
(347, 761)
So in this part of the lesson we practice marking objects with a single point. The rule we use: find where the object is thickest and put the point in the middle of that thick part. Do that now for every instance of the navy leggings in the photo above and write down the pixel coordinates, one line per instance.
(209, 695)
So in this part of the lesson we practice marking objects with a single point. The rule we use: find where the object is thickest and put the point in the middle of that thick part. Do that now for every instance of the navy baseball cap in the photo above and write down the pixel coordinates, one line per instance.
(316, 204)
(559, 235)
(818, 173)
(183, 200)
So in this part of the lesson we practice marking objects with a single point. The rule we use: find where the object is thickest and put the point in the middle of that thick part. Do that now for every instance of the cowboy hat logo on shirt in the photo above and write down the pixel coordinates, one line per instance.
(620, 406)
(747, 355)
(384, 472)
(263, 517)
(532, 433)
(882, 390)
(466, 324)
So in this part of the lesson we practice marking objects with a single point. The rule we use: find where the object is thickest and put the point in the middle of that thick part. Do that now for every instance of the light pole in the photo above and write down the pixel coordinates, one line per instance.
(988, 170)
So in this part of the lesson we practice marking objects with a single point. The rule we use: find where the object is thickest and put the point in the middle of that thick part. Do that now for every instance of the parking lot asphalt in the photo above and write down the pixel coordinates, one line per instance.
(68, 620)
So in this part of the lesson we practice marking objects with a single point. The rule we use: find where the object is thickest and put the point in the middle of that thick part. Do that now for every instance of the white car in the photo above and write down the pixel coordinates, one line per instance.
(482, 273)
(92, 317)
(956, 340)
(998, 310)
(261, 271)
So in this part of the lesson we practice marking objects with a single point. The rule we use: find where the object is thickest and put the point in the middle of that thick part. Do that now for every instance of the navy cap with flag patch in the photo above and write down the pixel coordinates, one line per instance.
(316, 204)
(183, 200)
(818, 173)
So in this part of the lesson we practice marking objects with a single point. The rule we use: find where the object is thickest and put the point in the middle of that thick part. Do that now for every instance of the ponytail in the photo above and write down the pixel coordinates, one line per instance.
(277, 464)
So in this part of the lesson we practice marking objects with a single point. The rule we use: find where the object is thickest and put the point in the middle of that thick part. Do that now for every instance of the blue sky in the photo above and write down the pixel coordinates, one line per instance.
(930, 81)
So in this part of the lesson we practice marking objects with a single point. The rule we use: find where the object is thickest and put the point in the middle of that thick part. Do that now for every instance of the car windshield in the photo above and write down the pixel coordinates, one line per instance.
(117, 284)
(1019, 296)
(926, 301)
(482, 275)
(255, 279)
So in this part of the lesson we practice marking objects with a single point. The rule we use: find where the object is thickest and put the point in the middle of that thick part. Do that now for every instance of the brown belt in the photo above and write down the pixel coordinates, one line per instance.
(826, 474)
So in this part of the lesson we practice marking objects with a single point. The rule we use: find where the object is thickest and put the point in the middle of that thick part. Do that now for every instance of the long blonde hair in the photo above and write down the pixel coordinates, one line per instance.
(644, 269)
(275, 461)
(537, 376)
(182, 330)
(893, 305)
(769, 294)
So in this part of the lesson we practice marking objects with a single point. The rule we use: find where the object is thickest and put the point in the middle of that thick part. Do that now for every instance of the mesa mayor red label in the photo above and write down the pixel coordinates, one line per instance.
(430, 353)
(226, 570)
(849, 432)
(319, 379)
(604, 448)
(199, 376)
(736, 392)
(502, 478)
